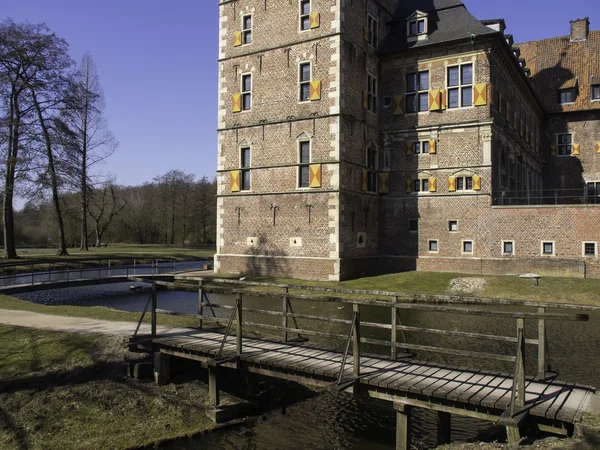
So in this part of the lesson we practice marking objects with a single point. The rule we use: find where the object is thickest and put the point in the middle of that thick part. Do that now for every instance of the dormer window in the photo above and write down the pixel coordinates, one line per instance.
(566, 96)
(416, 26)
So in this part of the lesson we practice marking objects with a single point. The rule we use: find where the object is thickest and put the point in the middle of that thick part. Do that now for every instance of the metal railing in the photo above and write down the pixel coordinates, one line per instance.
(577, 196)
(354, 339)
(45, 271)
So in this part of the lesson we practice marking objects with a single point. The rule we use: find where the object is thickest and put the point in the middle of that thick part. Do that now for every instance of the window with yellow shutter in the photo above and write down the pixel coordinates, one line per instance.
(304, 81)
(305, 9)
(246, 92)
(247, 29)
(460, 86)
(417, 92)
(371, 31)
(304, 168)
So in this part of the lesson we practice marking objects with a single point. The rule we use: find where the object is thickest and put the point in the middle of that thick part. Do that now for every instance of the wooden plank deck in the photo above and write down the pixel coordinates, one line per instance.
(550, 400)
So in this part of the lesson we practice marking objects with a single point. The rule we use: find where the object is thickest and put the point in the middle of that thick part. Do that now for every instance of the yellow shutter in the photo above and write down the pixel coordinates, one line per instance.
(451, 184)
(315, 176)
(409, 186)
(492, 94)
(237, 38)
(435, 100)
(234, 180)
(384, 183)
(366, 33)
(476, 183)
(364, 181)
(433, 184)
(553, 150)
(410, 148)
(522, 128)
(315, 20)
(398, 105)
(315, 90)
(366, 99)
(480, 98)
(236, 103)
(444, 98)
(597, 147)
(432, 146)
(576, 149)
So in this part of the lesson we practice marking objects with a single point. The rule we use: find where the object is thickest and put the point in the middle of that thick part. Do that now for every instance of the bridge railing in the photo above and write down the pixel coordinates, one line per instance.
(45, 271)
(397, 305)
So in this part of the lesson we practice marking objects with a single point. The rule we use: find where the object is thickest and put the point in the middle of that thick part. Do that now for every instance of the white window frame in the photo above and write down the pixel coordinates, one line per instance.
(417, 93)
(248, 30)
(421, 182)
(559, 100)
(592, 92)
(303, 16)
(460, 86)
(245, 169)
(301, 83)
(373, 27)
(450, 222)
(413, 220)
(553, 248)
(462, 247)
(301, 164)
(372, 93)
(513, 248)
(421, 146)
(416, 20)
(247, 74)
(583, 244)
(437, 244)
(464, 178)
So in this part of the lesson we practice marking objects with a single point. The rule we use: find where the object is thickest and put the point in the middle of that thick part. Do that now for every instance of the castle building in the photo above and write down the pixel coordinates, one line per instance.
(383, 135)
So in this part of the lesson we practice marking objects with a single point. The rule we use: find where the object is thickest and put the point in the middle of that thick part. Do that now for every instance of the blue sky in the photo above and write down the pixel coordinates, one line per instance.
(157, 65)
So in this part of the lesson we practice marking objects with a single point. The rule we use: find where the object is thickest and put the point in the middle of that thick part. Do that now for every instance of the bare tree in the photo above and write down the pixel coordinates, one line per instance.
(103, 208)
(86, 133)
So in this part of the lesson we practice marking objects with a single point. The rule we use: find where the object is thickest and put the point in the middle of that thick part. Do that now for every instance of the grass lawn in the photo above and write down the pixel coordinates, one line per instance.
(121, 251)
(580, 291)
(69, 391)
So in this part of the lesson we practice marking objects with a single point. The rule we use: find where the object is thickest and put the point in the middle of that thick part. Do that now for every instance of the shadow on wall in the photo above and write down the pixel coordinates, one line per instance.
(266, 259)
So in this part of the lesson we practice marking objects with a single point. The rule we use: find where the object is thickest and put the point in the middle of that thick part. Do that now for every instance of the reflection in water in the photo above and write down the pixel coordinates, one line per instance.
(340, 421)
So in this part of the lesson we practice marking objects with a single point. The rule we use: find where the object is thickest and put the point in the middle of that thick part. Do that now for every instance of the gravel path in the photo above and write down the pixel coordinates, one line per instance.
(75, 324)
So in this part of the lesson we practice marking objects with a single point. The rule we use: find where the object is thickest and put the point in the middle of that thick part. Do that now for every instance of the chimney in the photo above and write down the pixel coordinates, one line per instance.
(580, 29)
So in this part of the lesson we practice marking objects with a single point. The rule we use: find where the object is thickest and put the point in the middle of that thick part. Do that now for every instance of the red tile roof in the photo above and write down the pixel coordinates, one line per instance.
(558, 63)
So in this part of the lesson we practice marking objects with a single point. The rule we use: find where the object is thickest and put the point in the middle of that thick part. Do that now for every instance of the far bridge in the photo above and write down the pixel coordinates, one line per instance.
(232, 343)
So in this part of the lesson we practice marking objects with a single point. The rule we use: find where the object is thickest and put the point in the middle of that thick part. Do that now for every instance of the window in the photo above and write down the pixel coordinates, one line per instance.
(371, 93)
(304, 81)
(245, 159)
(421, 185)
(453, 226)
(467, 247)
(566, 96)
(508, 248)
(433, 246)
(565, 144)
(589, 249)
(416, 27)
(464, 183)
(305, 15)
(387, 102)
(413, 225)
(596, 92)
(372, 25)
(460, 86)
(372, 166)
(548, 248)
(593, 193)
(246, 92)
(417, 92)
(304, 169)
(421, 148)
(247, 29)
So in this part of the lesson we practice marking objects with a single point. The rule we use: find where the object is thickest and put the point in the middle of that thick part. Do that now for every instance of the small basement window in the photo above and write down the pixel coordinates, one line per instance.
(413, 225)
(433, 246)
(467, 247)
(596, 92)
(453, 225)
(589, 249)
(508, 248)
(548, 248)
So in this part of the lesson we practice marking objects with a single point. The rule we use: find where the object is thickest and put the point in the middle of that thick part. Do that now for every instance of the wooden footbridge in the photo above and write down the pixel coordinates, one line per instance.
(400, 378)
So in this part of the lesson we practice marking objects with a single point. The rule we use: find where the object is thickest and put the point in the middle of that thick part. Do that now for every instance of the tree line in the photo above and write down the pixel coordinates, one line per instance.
(52, 134)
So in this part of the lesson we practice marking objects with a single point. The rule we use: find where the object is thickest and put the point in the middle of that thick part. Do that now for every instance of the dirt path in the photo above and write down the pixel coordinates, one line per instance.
(74, 324)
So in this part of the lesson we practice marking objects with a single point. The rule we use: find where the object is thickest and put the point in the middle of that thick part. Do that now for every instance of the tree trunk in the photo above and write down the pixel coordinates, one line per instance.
(173, 219)
(84, 141)
(98, 236)
(11, 162)
(62, 245)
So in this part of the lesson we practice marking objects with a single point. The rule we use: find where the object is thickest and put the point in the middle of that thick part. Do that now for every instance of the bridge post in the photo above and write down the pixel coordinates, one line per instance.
(444, 427)
(200, 306)
(239, 324)
(213, 387)
(154, 301)
(162, 368)
(356, 345)
(394, 338)
(402, 426)
(284, 311)
(543, 353)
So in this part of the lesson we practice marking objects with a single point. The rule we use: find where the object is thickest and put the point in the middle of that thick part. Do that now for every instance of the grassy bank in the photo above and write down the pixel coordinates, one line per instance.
(120, 251)
(67, 391)
(580, 291)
